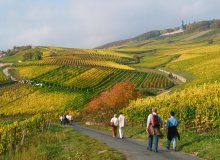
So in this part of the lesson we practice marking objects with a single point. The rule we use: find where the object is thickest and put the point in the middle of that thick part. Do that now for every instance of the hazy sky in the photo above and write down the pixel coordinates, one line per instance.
(90, 23)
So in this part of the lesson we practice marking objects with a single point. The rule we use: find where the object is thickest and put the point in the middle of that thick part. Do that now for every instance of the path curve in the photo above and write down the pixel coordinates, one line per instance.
(180, 78)
(132, 149)
(5, 71)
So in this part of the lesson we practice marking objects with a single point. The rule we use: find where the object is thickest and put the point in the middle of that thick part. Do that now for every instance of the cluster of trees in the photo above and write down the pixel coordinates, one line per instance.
(11, 52)
(104, 106)
(203, 25)
(32, 55)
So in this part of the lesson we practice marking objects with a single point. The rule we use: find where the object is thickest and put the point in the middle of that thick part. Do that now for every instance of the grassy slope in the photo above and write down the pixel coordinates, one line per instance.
(3, 78)
(65, 143)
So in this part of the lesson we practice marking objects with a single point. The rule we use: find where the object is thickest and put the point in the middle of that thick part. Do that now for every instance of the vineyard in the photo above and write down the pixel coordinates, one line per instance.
(76, 78)
(27, 100)
(197, 108)
(202, 63)
(15, 134)
(77, 62)
(81, 81)
(33, 71)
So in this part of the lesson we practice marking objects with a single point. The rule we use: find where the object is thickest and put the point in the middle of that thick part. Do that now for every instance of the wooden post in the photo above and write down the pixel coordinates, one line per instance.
(14, 139)
(207, 120)
(5, 145)
(218, 119)
(43, 125)
(49, 122)
(35, 127)
(11, 142)
(181, 123)
(196, 121)
(23, 134)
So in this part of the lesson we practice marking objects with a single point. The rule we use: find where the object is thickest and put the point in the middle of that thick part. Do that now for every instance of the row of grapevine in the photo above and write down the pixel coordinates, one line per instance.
(89, 78)
(76, 62)
(82, 79)
(103, 55)
(97, 57)
(61, 75)
(195, 107)
(30, 72)
(14, 135)
(14, 92)
(39, 101)
(157, 81)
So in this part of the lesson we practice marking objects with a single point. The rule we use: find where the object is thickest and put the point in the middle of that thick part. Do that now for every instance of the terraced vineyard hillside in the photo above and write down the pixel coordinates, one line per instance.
(188, 54)
(76, 75)
(55, 80)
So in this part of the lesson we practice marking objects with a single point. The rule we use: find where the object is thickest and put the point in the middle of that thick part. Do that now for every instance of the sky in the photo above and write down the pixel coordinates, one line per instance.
(91, 23)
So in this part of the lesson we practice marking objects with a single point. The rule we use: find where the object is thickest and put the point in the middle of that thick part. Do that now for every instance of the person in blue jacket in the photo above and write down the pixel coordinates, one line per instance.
(173, 134)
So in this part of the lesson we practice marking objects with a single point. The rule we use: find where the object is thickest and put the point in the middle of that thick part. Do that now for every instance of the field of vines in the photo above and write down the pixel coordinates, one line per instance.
(76, 62)
(195, 107)
(97, 79)
(33, 71)
(26, 99)
(157, 81)
(201, 62)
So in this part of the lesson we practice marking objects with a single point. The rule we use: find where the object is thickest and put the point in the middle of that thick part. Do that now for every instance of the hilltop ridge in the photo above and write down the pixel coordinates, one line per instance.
(159, 34)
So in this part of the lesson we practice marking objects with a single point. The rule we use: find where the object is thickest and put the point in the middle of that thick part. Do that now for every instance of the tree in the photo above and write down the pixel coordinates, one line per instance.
(215, 24)
(37, 55)
(183, 25)
(210, 41)
(102, 107)
(27, 56)
(32, 55)
(136, 58)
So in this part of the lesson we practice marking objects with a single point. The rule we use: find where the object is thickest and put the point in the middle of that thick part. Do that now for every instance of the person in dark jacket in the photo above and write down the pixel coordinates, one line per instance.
(153, 131)
(172, 134)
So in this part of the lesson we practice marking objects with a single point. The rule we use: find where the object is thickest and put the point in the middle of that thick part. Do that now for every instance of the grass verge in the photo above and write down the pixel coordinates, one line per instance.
(61, 142)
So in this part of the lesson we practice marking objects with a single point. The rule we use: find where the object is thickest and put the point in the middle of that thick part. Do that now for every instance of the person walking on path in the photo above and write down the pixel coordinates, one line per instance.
(172, 134)
(154, 123)
(114, 125)
(122, 122)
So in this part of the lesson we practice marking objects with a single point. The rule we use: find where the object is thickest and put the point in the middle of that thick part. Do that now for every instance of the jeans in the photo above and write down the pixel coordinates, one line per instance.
(121, 132)
(150, 142)
(174, 143)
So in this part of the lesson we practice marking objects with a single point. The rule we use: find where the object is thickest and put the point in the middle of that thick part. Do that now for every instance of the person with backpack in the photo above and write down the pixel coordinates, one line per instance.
(154, 122)
(172, 134)
(122, 122)
(114, 125)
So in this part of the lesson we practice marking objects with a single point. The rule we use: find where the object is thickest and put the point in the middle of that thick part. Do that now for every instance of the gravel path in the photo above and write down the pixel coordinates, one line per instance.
(132, 149)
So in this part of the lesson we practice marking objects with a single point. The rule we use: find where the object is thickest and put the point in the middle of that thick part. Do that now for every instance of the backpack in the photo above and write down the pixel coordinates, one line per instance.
(155, 121)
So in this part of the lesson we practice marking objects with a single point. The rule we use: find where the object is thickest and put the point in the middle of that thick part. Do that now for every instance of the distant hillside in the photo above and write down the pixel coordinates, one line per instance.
(189, 28)
(147, 35)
